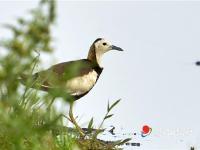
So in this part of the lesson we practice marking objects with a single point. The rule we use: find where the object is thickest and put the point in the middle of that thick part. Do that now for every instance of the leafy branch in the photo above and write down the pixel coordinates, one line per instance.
(107, 116)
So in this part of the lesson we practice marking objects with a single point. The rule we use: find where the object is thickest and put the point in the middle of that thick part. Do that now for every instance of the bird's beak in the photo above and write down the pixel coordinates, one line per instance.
(113, 47)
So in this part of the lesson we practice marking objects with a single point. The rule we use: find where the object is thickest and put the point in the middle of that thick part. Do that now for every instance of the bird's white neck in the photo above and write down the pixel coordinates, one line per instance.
(95, 55)
(99, 55)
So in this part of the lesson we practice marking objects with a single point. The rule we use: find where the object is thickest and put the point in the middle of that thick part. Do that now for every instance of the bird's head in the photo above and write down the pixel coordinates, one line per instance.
(103, 46)
(99, 47)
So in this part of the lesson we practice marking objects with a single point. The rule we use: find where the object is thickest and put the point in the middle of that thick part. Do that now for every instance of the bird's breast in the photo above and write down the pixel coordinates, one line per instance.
(82, 84)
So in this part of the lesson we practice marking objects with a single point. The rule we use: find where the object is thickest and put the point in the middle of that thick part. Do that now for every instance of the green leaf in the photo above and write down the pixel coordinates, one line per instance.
(123, 141)
(108, 107)
(114, 104)
(108, 116)
(90, 123)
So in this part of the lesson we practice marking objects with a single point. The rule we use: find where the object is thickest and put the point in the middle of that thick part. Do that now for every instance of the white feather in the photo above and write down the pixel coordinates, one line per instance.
(81, 85)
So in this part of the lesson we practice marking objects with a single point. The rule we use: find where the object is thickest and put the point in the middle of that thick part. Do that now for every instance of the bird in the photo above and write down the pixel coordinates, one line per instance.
(72, 79)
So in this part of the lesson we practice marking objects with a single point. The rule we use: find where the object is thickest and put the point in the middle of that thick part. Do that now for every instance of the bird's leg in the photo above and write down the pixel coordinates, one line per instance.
(72, 119)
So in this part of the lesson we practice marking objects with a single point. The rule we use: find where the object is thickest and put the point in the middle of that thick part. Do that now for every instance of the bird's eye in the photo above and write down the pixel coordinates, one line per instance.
(104, 43)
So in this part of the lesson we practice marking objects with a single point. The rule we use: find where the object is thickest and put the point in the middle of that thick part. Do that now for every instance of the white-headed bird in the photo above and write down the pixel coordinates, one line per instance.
(73, 79)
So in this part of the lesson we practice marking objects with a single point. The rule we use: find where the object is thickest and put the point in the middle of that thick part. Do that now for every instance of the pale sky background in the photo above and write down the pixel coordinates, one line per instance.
(155, 76)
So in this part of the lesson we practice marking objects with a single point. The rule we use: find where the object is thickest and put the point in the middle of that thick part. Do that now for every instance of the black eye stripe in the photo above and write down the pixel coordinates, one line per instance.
(104, 43)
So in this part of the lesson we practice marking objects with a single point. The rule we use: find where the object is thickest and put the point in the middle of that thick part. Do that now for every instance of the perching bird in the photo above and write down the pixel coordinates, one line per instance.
(74, 78)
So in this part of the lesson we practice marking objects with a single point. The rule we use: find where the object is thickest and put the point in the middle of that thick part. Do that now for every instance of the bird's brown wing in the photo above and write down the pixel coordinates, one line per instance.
(57, 75)
(73, 69)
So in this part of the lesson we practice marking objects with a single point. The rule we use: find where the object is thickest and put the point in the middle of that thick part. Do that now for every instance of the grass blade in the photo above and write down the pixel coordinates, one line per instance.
(114, 104)
(90, 123)
(108, 116)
